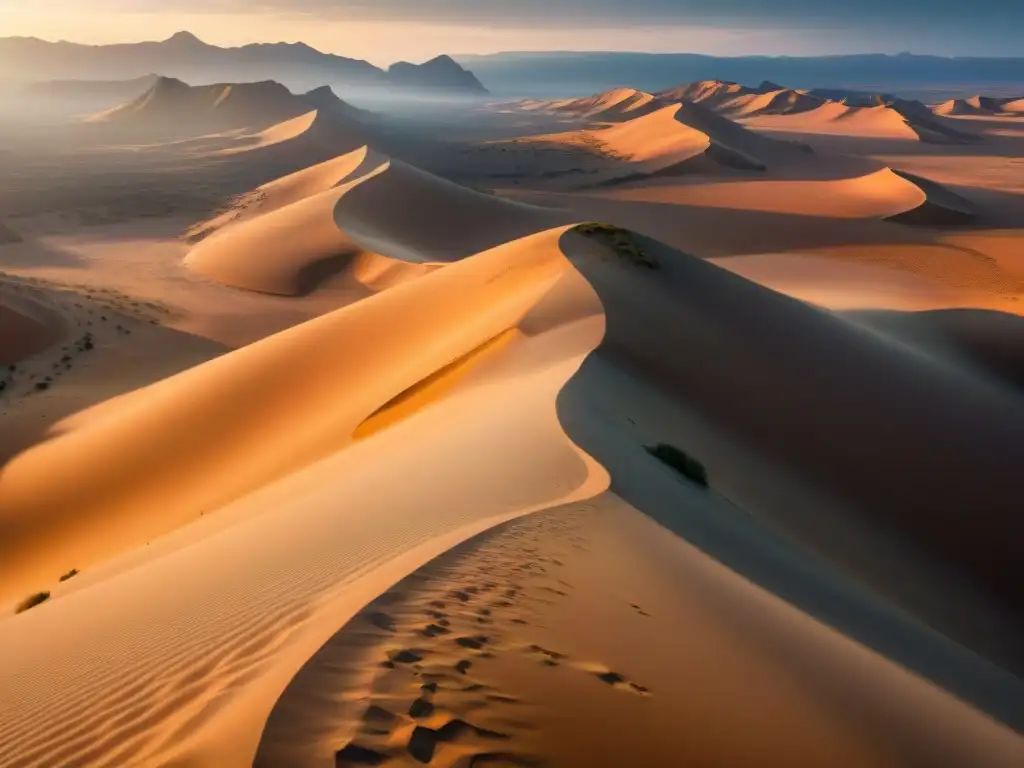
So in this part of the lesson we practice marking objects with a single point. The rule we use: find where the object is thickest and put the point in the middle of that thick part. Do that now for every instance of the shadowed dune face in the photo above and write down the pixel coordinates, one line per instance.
(26, 327)
(985, 340)
(744, 359)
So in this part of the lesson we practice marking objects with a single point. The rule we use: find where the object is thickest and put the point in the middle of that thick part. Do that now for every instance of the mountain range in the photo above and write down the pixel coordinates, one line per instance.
(553, 74)
(186, 57)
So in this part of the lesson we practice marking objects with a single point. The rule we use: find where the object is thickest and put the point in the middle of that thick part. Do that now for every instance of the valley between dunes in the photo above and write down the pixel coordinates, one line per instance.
(333, 444)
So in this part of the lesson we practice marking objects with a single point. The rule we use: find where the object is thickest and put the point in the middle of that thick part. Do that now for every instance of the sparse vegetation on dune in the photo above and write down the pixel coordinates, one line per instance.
(32, 601)
(680, 461)
(621, 241)
(70, 574)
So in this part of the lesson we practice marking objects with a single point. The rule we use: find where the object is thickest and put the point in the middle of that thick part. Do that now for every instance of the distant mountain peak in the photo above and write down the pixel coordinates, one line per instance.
(444, 60)
(184, 38)
(441, 72)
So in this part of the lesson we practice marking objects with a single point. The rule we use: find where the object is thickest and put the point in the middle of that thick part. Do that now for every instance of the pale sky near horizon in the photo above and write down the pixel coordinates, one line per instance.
(383, 31)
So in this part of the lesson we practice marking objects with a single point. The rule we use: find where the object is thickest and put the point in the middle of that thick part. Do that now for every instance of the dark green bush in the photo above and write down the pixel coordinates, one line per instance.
(681, 462)
(33, 601)
(70, 574)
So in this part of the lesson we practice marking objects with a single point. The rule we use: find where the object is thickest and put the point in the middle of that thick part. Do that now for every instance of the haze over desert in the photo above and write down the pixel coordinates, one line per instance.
(360, 415)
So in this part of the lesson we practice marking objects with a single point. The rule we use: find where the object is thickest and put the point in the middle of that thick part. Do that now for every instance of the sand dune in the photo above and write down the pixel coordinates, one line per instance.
(936, 205)
(677, 134)
(738, 101)
(711, 93)
(676, 139)
(727, 324)
(901, 120)
(981, 105)
(301, 141)
(290, 189)
(344, 213)
(297, 400)
(878, 194)
(615, 105)
(376, 211)
(508, 661)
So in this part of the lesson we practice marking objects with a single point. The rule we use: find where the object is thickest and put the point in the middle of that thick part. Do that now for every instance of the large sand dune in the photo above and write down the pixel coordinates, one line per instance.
(302, 228)
(688, 655)
(298, 399)
(679, 138)
(892, 425)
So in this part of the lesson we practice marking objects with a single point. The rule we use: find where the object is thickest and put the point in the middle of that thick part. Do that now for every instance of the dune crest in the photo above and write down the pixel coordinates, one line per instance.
(615, 105)
(372, 205)
(298, 399)
(981, 106)
(737, 100)
(891, 120)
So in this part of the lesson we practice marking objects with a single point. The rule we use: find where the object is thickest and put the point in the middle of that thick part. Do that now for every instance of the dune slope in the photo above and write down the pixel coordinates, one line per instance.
(744, 360)
(297, 400)
(593, 613)
(899, 120)
(615, 105)
(371, 205)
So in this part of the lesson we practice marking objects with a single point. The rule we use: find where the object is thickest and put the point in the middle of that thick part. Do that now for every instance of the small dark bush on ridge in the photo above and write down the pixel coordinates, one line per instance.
(33, 601)
(70, 574)
(680, 461)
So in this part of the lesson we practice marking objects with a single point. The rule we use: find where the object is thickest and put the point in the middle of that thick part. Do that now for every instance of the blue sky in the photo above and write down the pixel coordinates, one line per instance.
(386, 30)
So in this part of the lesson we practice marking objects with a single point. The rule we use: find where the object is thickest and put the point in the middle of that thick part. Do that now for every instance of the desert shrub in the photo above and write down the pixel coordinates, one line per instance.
(32, 601)
(42, 386)
(681, 462)
(70, 574)
(621, 241)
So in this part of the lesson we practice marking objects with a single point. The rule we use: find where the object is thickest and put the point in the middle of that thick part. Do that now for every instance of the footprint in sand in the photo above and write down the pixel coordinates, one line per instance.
(614, 679)
(547, 657)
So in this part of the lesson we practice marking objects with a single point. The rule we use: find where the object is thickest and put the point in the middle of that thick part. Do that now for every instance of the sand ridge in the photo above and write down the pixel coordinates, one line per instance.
(736, 101)
(291, 235)
(905, 120)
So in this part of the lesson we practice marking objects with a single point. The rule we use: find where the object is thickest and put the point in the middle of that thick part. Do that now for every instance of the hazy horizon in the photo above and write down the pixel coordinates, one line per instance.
(394, 30)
